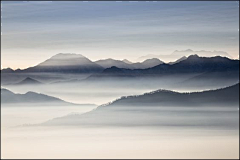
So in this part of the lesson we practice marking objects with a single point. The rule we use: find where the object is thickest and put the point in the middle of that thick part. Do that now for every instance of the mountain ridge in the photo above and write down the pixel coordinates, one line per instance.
(77, 63)
(178, 54)
(224, 93)
(108, 63)
(66, 63)
(149, 110)
(191, 65)
(9, 97)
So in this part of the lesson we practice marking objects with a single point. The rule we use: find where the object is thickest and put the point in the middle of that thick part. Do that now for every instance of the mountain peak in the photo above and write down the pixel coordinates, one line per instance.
(178, 60)
(152, 60)
(5, 91)
(7, 70)
(202, 53)
(67, 63)
(127, 61)
(110, 59)
(67, 56)
(29, 80)
(193, 56)
(113, 69)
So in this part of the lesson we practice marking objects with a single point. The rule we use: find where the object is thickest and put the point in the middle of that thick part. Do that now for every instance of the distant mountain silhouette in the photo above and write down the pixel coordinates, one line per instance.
(201, 53)
(66, 63)
(149, 63)
(179, 60)
(127, 61)
(151, 109)
(211, 79)
(108, 63)
(7, 70)
(194, 63)
(8, 97)
(76, 63)
(178, 54)
(28, 81)
(191, 65)
(212, 69)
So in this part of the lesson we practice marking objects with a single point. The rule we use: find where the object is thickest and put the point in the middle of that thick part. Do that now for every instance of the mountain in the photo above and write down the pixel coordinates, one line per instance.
(7, 70)
(192, 65)
(147, 63)
(28, 81)
(201, 53)
(149, 56)
(178, 54)
(108, 63)
(76, 63)
(165, 108)
(179, 60)
(127, 61)
(29, 97)
(66, 63)
(220, 97)
(210, 79)
(8, 97)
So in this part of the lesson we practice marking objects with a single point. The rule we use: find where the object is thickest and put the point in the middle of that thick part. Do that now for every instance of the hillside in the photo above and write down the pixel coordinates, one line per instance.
(8, 97)
(165, 108)
(191, 65)
(66, 63)
(219, 97)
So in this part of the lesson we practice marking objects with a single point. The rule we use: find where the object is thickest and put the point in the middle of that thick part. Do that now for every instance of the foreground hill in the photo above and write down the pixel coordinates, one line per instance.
(220, 97)
(214, 108)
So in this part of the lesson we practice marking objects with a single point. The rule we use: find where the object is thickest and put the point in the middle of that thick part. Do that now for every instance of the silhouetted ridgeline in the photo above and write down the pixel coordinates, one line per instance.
(108, 63)
(192, 65)
(191, 71)
(10, 98)
(76, 63)
(65, 63)
(178, 54)
(220, 97)
(164, 108)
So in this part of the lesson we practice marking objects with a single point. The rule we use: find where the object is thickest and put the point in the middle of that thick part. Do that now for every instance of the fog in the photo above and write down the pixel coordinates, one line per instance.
(150, 132)
(17, 115)
(119, 143)
(85, 131)
(78, 89)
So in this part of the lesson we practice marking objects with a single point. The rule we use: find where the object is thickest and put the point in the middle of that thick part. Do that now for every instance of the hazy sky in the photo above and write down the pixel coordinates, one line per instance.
(34, 31)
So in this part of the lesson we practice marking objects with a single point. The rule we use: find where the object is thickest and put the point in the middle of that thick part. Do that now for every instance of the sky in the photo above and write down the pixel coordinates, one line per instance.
(34, 31)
